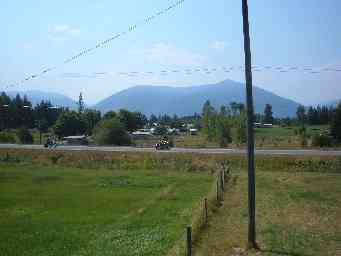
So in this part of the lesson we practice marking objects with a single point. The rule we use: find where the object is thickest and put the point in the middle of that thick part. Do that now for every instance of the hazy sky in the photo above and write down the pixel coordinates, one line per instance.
(40, 34)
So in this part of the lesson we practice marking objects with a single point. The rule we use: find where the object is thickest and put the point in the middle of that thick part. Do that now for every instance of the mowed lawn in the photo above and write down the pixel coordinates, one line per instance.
(298, 214)
(69, 211)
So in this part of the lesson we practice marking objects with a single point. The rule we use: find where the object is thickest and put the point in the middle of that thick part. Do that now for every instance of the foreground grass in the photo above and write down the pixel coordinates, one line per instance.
(53, 210)
(297, 214)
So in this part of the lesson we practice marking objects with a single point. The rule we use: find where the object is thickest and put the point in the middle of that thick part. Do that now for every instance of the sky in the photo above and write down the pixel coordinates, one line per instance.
(196, 34)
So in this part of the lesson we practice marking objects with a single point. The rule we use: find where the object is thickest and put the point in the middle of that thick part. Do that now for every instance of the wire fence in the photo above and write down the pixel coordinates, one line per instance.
(203, 211)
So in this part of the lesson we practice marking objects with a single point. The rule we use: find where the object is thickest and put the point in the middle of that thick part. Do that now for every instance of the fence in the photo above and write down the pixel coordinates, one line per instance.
(201, 213)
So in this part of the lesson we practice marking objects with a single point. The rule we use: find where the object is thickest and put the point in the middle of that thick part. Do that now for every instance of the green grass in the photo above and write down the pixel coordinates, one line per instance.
(298, 213)
(53, 210)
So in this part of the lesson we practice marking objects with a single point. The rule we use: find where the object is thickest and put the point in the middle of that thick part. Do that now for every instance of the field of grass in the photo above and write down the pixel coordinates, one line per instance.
(56, 210)
(87, 203)
(276, 137)
(298, 214)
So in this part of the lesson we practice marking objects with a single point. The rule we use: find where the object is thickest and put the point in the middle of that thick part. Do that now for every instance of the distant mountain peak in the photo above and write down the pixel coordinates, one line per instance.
(188, 100)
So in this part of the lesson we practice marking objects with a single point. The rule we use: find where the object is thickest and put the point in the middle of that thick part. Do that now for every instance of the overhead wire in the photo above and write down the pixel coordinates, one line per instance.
(101, 43)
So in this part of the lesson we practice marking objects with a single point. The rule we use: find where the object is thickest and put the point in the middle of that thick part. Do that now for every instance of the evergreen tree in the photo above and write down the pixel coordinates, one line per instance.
(301, 115)
(335, 127)
(80, 104)
(268, 118)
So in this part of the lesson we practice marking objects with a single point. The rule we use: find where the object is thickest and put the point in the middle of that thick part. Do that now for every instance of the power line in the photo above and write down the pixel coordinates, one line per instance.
(205, 70)
(101, 43)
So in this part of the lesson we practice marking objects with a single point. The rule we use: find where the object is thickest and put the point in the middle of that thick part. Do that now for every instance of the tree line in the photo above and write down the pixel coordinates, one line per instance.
(224, 125)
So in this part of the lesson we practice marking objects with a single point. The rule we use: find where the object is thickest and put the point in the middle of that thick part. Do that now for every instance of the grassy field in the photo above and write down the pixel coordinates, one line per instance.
(276, 137)
(54, 210)
(87, 203)
(298, 214)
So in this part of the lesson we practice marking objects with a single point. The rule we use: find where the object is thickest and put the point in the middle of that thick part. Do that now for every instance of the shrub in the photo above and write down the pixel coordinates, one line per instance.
(321, 140)
(7, 137)
(111, 132)
(24, 135)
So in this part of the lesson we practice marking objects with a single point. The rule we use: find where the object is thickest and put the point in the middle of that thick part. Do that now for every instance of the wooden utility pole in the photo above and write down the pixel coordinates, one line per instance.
(250, 136)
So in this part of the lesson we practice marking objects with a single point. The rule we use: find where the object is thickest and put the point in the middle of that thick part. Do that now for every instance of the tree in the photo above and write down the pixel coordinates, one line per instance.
(24, 135)
(80, 104)
(91, 117)
(301, 116)
(70, 123)
(160, 130)
(153, 119)
(208, 120)
(237, 108)
(111, 132)
(335, 127)
(110, 115)
(45, 111)
(128, 119)
(268, 118)
(240, 132)
(223, 128)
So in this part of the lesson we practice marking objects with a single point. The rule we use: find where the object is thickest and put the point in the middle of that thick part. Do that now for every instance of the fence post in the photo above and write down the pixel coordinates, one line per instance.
(205, 213)
(189, 241)
(222, 181)
(218, 194)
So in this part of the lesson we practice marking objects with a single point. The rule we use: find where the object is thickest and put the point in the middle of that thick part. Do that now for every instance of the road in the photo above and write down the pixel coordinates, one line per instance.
(284, 152)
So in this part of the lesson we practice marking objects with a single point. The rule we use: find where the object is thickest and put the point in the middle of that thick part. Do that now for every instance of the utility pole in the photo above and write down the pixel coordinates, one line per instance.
(250, 137)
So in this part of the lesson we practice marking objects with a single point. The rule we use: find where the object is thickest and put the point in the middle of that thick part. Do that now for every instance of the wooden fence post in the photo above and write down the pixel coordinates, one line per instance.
(218, 194)
(222, 181)
(189, 241)
(205, 213)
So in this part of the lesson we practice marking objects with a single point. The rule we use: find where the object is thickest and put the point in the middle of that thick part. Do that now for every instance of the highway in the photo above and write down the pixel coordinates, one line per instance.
(284, 152)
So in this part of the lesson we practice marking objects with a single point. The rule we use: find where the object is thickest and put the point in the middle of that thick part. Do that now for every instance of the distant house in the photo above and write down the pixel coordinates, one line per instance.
(267, 125)
(142, 134)
(193, 131)
(76, 140)
(260, 125)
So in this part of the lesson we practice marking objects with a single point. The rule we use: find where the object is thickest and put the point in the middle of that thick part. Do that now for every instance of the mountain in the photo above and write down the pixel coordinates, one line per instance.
(188, 100)
(36, 97)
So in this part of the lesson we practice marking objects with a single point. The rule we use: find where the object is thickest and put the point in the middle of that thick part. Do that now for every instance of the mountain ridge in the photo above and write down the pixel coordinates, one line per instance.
(36, 96)
(151, 99)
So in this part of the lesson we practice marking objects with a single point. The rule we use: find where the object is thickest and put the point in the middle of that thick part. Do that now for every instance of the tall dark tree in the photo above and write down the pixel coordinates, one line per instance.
(268, 114)
(301, 115)
(335, 127)
(81, 105)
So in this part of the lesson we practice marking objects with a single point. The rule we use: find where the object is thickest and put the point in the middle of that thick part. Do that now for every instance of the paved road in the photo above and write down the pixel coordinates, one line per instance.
(289, 152)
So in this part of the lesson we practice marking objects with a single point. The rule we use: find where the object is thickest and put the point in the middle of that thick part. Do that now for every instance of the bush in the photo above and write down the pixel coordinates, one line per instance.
(24, 135)
(70, 123)
(321, 140)
(111, 132)
(7, 137)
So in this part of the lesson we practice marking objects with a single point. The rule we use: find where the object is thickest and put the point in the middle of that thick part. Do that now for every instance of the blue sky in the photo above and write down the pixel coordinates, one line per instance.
(41, 34)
